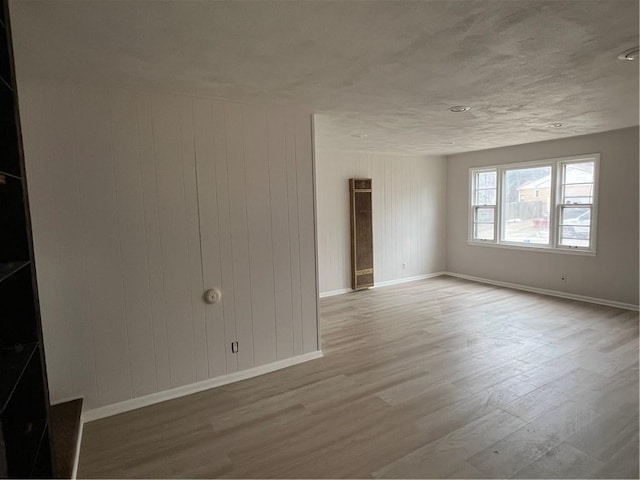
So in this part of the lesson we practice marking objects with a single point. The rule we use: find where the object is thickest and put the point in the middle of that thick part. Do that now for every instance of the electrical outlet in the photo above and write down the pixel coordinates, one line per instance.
(563, 277)
(234, 347)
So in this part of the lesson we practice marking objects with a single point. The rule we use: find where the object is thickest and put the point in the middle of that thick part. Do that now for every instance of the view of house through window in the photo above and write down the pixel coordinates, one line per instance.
(526, 203)
(546, 204)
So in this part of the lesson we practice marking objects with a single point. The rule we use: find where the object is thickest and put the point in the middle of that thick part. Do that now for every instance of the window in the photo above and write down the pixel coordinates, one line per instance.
(485, 194)
(525, 206)
(576, 203)
(548, 205)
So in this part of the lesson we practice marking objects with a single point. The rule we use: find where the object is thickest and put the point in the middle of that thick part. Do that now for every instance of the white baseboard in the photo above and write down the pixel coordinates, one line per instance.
(544, 291)
(407, 279)
(332, 293)
(165, 395)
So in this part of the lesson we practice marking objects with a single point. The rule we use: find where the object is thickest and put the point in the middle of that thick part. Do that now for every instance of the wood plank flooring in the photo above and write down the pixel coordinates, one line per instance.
(441, 378)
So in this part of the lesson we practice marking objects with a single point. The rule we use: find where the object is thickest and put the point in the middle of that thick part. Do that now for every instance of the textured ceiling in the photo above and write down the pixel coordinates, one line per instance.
(387, 69)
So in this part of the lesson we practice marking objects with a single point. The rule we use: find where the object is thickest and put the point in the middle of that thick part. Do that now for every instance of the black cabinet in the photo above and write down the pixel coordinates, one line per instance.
(25, 445)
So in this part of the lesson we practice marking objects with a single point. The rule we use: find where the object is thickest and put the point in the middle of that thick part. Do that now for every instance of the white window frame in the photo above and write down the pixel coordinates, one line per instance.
(557, 168)
(473, 207)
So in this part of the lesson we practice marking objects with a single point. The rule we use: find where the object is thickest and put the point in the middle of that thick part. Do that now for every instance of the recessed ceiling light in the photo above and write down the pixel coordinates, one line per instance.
(360, 135)
(459, 108)
(631, 54)
(555, 125)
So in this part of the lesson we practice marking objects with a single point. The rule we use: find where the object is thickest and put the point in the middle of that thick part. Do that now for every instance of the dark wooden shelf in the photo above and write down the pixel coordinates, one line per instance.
(13, 219)
(42, 464)
(10, 175)
(65, 427)
(6, 84)
(26, 439)
(9, 268)
(9, 138)
(13, 363)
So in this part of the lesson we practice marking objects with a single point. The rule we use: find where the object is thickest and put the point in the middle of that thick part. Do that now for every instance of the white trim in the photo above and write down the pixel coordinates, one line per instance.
(139, 402)
(332, 293)
(315, 228)
(407, 279)
(544, 291)
(471, 202)
(556, 179)
(76, 456)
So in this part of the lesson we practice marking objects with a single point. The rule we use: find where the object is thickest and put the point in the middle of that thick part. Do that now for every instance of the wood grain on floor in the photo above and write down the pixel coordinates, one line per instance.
(441, 378)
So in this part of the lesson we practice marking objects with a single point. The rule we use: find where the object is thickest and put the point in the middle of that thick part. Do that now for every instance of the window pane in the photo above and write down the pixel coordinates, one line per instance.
(486, 197)
(578, 193)
(484, 215)
(486, 179)
(575, 216)
(574, 236)
(578, 172)
(526, 205)
(483, 231)
(575, 226)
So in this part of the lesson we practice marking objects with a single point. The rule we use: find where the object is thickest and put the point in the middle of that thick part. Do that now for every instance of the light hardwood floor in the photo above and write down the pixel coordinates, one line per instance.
(441, 378)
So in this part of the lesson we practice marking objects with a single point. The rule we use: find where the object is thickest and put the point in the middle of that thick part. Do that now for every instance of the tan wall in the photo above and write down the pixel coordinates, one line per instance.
(612, 274)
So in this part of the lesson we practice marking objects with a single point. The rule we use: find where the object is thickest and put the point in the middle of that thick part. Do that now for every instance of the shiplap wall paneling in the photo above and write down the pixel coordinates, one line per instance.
(333, 172)
(378, 219)
(221, 188)
(143, 201)
(102, 244)
(409, 235)
(294, 229)
(408, 223)
(307, 232)
(153, 244)
(62, 176)
(173, 236)
(130, 205)
(61, 156)
(239, 234)
(260, 234)
(195, 264)
(214, 333)
(46, 180)
(280, 231)
(397, 215)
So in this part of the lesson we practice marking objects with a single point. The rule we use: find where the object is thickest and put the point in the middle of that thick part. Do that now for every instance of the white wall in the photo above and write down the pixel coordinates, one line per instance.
(142, 201)
(612, 274)
(408, 215)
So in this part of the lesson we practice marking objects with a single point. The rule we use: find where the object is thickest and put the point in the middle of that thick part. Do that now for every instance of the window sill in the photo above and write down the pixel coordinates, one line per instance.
(565, 251)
